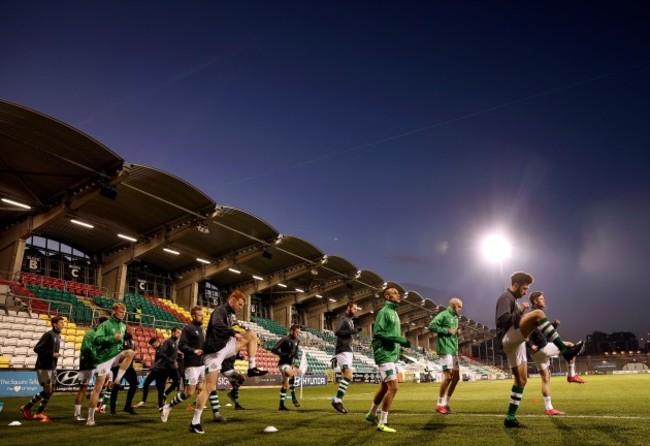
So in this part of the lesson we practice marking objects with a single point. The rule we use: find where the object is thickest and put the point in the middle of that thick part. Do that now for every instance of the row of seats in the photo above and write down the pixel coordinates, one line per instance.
(70, 304)
(28, 301)
(80, 289)
(20, 343)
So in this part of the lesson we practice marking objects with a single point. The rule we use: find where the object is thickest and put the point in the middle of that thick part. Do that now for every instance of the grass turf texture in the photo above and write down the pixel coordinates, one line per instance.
(607, 410)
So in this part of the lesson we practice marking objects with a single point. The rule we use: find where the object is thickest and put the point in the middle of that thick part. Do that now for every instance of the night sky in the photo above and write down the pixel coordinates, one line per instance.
(394, 134)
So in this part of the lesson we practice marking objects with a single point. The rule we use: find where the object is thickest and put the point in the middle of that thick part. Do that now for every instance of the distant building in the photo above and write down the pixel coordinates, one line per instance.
(599, 342)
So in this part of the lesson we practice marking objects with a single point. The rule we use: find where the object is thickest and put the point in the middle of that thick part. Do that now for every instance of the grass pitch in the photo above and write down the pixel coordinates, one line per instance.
(607, 410)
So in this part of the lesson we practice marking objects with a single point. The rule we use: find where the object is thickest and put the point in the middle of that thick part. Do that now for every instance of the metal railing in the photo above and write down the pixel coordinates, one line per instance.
(146, 320)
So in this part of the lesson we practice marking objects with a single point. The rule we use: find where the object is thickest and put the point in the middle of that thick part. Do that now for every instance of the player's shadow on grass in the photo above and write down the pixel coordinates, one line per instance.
(562, 427)
(617, 434)
(518, 436)
(437, 424)
(304, 410)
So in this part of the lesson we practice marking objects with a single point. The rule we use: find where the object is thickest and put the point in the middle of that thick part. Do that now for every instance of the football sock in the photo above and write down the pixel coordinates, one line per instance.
(547, 403)
(292, 387)
(283, 395)
(36, 398)
(180, 396)
(572, 368)
(44, 402)
(252, 363)
(515, 400)
(549, 331)
(77, 409)
(235, 392)
(214, 402)
(383, 417)
(197, 416)
(343, 387)
(373, 409)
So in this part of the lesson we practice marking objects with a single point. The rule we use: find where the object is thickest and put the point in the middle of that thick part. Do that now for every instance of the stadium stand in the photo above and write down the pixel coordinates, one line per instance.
(188, 250)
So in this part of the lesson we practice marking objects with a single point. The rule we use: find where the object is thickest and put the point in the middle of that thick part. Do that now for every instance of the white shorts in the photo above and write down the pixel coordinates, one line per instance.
(106, 366)
(388, 372)
(213, 361)
(515, 347)
(541, 356)
(194, 375)
(85, 376)
(344, 360)
(449, 362)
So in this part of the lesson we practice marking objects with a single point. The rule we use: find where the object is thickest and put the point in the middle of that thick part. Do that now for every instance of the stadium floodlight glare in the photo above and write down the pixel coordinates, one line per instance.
(300, 290)
(81, 223)
(233, 270)
(496, 248)
(279, 239)
(324, 260)
(357, 274)
(171, 251)
(282, 285)
(200, 260)
(332, 299)
(319, 296)
(258, 277)
(15, 203)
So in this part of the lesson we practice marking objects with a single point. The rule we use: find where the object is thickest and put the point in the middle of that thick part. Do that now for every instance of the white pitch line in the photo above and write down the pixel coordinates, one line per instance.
(491, 415)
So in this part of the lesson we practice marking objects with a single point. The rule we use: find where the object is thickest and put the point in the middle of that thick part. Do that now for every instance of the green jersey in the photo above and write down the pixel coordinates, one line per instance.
(386, 335)
(447, 342)
(87, 354)
(106, 346)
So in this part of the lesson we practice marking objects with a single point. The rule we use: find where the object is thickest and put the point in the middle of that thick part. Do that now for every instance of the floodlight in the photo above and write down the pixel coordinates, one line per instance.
(496, 248)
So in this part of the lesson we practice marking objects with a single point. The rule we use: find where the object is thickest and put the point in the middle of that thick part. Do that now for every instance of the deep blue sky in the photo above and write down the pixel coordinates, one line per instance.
(395, 134)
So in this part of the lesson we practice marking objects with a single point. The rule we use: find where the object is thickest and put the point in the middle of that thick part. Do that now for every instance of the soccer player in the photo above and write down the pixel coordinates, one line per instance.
(542, 351)
(131, 376)
(287, 349)
(191, 345)
(86, 368)
(47, 349)
(222, 342)
(151, 377)
(345, 330)
(445, 325)
(386, 341)
(164, 365)
(108, 353)
(236, 380)
(512, 331)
